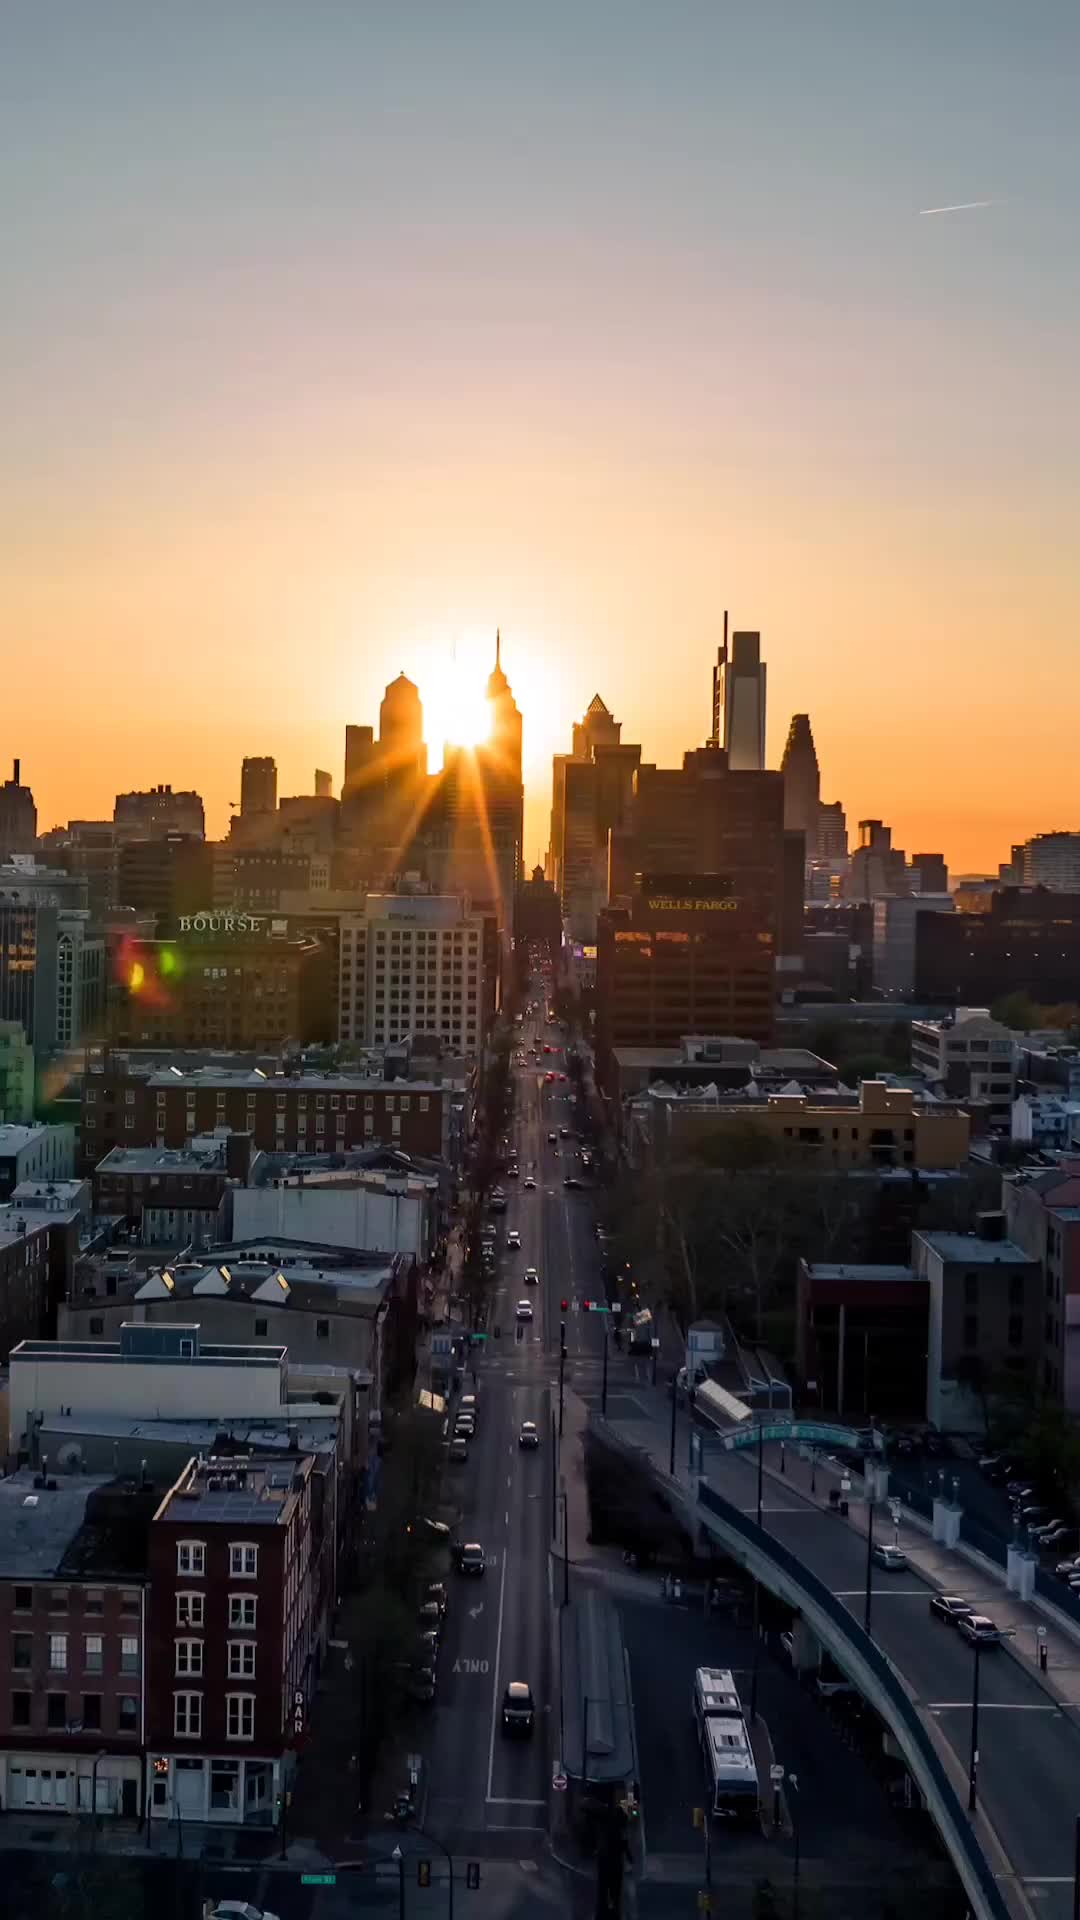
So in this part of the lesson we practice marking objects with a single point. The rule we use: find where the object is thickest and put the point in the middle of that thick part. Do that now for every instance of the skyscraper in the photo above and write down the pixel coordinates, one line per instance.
(802, 782)
(18, 817)
(258, 785)
(591, 789)
(739, 701)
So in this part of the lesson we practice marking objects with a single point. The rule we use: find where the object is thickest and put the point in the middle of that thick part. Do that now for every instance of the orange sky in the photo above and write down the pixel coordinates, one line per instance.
(324, 350)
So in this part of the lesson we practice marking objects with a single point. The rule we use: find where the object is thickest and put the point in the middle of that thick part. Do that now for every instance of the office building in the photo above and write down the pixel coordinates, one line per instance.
(18, 816)
(223, 980)
(258, 786)
(895, 918)
(876, 866)
(28, 954)
(701, 818)
(861, 1332)
(1042, 1212)
(1028, 942)
(73, 1619)
(16, 1075)
(985, 1318)
(929, 873)
(1047, 860)
(414, 963)
(687, 954)
(970, 1057)
(885, 1127)
(802, 782)
(143, 816)
(166, 874)
(739, 701)
(591, 796)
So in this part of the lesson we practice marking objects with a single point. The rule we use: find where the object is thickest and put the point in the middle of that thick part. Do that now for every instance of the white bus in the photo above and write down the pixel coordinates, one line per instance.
(725, 1745)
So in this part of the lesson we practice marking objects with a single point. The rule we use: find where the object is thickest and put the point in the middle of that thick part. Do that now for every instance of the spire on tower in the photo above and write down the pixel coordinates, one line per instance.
(498, 648)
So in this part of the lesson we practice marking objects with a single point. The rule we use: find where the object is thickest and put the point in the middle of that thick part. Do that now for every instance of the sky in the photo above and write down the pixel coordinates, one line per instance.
(335, 335)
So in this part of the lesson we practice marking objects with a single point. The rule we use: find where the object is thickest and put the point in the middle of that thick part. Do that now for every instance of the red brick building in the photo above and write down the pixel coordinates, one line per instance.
(300, 1112)
(72, 1642)
(233, 1638)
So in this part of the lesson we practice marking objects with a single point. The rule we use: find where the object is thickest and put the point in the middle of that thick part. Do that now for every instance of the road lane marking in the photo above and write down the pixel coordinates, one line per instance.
(514, 1800)
(993, 1706)
(495, 1677)
(897, 1593)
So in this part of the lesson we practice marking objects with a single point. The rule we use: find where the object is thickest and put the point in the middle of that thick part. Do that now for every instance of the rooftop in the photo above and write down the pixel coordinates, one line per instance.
(304, 1423)
(325, 1081)
(38, 1523)
(858, 1270)
(973, 1250)
(13, 1138)
(234, 1488)
(302, 1280)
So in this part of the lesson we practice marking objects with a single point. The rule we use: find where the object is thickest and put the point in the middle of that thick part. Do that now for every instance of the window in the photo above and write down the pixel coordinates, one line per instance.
(23, 1599)
(189, 1658)
(129, 1655)
(1016, 1329)
(243, 1560)
(971, 1289)
(97, 1326)
(260, 1327)
(94, 1601)
(20, 1709)
(130, 1601)
(58, 1600)
(187, 1715)
(322, 1329)
(56, 1712)
(22, 1649)
(91, 1712)
(191, 1557)
(92, 1653)
(127, 1712)
(189, 1609)
(971, 1330)
(240, 1716)
(241, 1659)
(58, 1652)
(241, 1610)
(425, 1102)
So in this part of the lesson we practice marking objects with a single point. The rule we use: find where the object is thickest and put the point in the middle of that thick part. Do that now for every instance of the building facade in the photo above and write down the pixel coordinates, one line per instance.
(985, 1319)
(232, 1639)
(1028, 942)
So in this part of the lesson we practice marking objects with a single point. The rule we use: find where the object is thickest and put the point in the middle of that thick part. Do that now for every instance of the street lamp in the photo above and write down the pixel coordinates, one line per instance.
(793, 1803)
(400, 1859)
(1005, 1633)
(869, 1558)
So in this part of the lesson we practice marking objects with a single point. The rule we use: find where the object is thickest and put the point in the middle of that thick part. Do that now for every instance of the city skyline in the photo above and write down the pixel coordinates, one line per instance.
(421, 336)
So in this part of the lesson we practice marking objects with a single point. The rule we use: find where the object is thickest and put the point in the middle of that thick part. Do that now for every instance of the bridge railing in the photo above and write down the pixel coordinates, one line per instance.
(868, 1661)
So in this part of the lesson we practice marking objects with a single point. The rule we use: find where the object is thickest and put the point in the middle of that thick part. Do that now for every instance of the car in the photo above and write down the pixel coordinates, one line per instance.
(427, 1648)
(467, 1403)
(529, 1435)
(512, 1170)
(430, 1617)
(529, 1183)
(437, 1529)
(1065, 1567)
(951, 1607)
(470, 1558)
(518, 1712)
(458, 1451)
(893, 1559)
(417, 1682)
(1019, 1489)
(513, 1241)
(464, 1427)
(564, 1133)
(1035, 1514)
(1046, 1527)
(435, 1594)
(1057, 1539)
(523, 1311)
(547, 1049)
(979, 1630)
(532, 1278)
(553, 1139)
(239, 1910)
(571, 1180)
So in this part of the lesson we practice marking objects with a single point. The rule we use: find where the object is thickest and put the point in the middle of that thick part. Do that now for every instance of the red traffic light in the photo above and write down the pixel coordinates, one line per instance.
(565, 1305)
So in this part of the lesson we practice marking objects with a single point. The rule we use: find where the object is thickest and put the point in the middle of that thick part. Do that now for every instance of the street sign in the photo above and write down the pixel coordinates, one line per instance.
(318, 1879)
(776, 1772)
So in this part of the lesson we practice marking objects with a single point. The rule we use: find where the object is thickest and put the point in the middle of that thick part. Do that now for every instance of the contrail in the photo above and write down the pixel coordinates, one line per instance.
(962, 206)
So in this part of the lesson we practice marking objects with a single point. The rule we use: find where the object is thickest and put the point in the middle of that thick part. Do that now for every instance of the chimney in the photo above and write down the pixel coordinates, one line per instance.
(17, 764)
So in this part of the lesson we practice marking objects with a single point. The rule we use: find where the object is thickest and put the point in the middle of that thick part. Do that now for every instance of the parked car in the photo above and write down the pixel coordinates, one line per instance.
(951, 1607)
(458, 1450)
(239, 1910)
(1019, 1489)
(417, 1681)
(435, 1592)
(1058, 1539)
(1067, 1566)
(429, 1615)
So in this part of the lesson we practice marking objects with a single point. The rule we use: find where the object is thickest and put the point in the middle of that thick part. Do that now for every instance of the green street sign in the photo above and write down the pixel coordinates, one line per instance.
(318, 1879)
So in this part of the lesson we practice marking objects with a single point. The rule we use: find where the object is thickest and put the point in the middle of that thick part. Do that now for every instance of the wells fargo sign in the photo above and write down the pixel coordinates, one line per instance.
(670, 903)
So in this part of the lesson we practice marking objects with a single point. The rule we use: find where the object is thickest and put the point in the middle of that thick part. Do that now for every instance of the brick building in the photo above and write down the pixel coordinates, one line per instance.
(1027, 942)
(295, 1112)
(224, 981)
(172, 1194)
(232, 1638)
(72, 1642)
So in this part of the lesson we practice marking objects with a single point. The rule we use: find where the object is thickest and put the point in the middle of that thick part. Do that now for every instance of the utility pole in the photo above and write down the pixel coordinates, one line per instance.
(760, 1468)
(603, 1382)
(869, 1561)
(674, 1411)
(562, 1370)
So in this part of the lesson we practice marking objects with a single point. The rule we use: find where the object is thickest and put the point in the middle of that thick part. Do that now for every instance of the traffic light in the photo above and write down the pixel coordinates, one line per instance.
(564, 1306)
(423, 1873)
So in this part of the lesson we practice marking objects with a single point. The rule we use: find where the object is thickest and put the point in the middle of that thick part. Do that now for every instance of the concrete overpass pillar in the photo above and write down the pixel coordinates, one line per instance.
(946, 1522)
(805, 1647)
(1020, 1572)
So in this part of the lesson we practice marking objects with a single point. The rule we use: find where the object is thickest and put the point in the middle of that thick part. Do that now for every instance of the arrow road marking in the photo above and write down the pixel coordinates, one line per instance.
(475, 1612)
